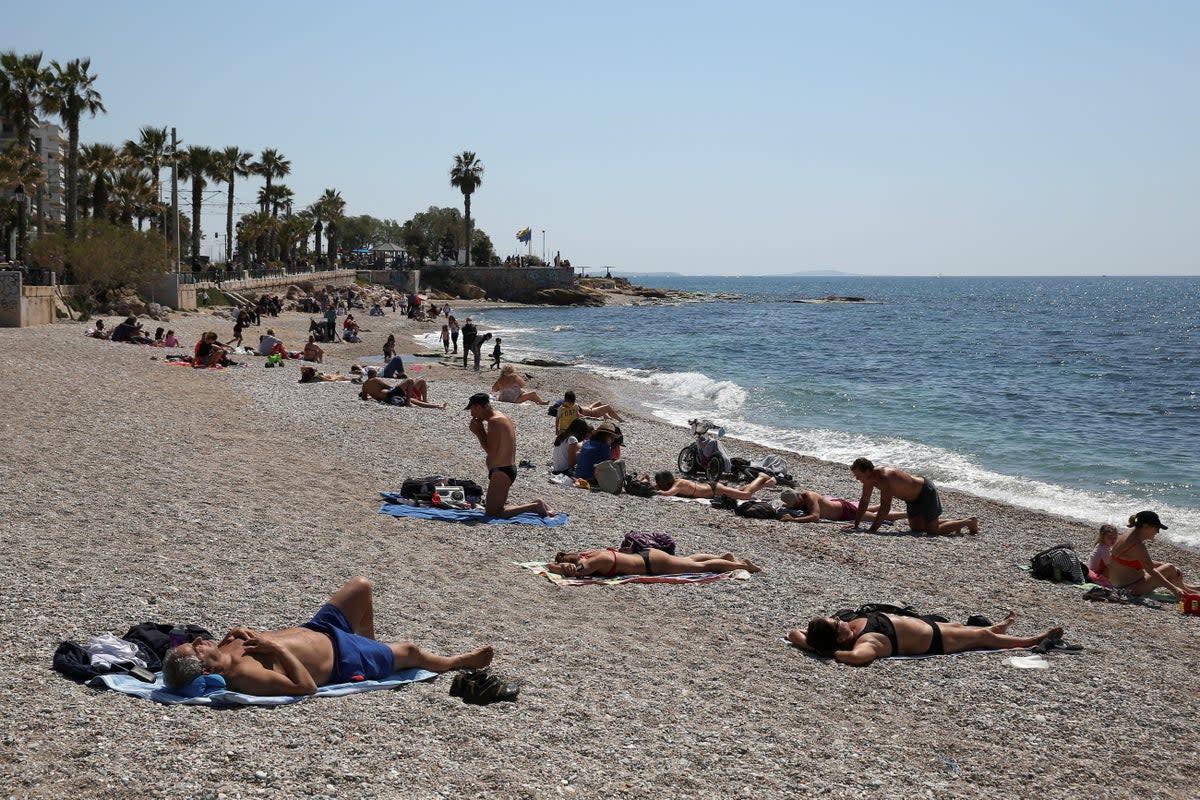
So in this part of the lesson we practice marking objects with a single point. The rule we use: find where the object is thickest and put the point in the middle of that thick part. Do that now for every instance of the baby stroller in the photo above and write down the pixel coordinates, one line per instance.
(706, 455)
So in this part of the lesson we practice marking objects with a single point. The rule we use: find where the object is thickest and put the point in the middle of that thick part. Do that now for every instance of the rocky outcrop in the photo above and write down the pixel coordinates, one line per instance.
(579, 296)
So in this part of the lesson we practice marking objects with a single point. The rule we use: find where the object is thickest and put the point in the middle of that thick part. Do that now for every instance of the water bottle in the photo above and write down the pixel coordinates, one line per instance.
(178, 636)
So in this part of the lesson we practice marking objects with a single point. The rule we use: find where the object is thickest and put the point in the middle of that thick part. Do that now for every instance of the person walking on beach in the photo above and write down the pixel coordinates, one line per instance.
(337, 645)
(453, 325)
(497, 436)
(468, 337)
(923, 507)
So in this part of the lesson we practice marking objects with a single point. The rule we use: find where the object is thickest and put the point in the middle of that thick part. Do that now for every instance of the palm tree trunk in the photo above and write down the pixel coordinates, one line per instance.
(229, 223)
(467, 203)
(196, 197)
(72, 175)
(317, 229)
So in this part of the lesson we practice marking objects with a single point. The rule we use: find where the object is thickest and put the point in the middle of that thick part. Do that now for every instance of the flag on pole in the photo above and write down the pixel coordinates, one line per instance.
(524, 235)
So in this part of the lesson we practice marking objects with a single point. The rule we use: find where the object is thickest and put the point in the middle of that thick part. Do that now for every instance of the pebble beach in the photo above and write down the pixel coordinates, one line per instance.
(133, 491)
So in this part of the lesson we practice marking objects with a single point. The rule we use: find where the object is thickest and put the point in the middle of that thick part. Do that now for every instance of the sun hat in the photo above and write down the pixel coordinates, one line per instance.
(1149, 518)
(478, 399)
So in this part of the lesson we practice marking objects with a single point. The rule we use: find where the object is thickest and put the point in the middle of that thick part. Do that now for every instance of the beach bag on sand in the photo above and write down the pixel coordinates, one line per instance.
(638, 488)
(610, 476)
(1059, 564)
(640, 542)
(420, 490)
(756, 509)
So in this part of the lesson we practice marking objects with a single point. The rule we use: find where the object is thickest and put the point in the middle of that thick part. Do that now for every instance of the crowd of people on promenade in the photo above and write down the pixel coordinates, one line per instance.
(295, 660)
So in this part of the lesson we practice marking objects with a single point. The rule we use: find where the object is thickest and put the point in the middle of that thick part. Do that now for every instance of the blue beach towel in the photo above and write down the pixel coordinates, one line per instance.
(469, 515)
(127, 684)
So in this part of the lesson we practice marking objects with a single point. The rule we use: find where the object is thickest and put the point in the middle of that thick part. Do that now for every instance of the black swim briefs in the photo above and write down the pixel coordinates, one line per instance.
(927, 506)
(510, 471)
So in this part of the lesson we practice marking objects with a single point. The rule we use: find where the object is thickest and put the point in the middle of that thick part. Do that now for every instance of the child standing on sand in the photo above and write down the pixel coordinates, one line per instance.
(1102, 554)
(445, 338)
(496, 355)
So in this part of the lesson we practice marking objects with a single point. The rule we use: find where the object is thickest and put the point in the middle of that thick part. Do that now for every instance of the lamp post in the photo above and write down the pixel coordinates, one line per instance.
(22, 200)
(543, 245)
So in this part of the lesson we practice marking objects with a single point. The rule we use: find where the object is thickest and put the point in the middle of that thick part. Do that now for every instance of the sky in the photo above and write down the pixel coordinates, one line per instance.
(885, 138)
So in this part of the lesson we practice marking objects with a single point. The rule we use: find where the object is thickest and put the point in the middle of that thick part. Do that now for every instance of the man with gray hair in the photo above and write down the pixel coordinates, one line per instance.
(337, 645)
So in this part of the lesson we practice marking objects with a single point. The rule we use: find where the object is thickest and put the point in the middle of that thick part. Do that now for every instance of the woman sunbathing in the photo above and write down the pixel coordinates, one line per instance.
(610, 562)
(669, 486)
(1131, 567)
(873, 635)
(310, 375)
(510, 388)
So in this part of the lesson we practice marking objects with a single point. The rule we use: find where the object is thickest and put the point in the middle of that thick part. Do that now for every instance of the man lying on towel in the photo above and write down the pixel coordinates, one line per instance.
(873, 635)
(336, 646)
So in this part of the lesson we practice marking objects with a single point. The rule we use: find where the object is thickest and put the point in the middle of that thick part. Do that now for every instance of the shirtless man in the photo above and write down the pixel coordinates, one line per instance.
(799, 506)
(862, 639)
(336, 646)
(407, 392)
(313, 351)
(923, 508)
(497, 436)
(669, 486)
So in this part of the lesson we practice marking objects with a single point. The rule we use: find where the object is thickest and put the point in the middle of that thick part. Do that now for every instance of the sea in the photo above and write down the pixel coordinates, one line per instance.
(1076, 396)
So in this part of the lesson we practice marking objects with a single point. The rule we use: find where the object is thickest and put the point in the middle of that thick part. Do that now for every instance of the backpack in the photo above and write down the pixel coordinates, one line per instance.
(1058, 564)
(553, 409)
(847, 614)
(640, 542)
(610, 476)
(638, 488)
(756, 509)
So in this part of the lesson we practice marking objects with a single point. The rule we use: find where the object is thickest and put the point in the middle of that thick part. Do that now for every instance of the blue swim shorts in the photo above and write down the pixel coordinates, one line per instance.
(355, 658)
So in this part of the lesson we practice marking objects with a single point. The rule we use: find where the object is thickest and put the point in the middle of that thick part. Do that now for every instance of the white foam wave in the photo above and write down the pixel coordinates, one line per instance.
(561, 328)
(726, 396)
(959, 471)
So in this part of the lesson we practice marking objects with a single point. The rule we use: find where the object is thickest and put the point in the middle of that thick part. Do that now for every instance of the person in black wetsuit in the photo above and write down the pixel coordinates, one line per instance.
(866, 637)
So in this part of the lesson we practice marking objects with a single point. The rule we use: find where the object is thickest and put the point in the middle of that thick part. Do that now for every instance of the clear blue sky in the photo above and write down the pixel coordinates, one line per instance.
(883, 138)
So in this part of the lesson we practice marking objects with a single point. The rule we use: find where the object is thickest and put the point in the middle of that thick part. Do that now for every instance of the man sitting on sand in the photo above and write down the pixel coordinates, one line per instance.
(407, 392)
(919, 495)
(611, 562)
(670, 486)
(497, 436)
(800, 506)
(864, 638)
(337, 645)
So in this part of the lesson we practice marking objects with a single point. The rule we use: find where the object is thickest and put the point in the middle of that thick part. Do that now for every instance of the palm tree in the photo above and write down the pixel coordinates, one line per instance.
(132, 194)
(292, 231)
(20, 168)
(70, 94)
(331, 208)
(271, 164)
(466, 175)
(101, 161)
(196, 164)
(23, 80)
(230, 164)
(255, 231)
(151, 150)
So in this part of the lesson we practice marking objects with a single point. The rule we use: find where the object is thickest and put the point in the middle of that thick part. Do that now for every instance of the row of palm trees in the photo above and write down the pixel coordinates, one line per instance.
(125, 184)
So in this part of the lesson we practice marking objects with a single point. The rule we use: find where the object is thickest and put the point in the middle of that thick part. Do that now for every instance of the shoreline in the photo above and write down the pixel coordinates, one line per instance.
(139, 491)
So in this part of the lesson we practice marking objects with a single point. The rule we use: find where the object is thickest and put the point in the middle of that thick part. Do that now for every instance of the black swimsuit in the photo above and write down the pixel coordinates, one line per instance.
(882, 624)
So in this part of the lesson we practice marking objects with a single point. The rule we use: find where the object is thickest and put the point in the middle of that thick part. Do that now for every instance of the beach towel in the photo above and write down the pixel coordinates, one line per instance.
(127, 684)
(470, 515)
(539, 568)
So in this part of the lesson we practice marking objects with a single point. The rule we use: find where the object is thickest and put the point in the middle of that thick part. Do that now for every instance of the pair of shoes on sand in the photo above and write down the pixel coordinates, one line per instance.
(482, 686)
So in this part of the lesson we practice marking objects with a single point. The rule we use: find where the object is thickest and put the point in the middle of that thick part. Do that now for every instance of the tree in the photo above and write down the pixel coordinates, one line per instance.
(254, 232)
(132, 194)
(271, 164)
(424, 234)
(466, 175)
(481, 247)
(101, 161)
(71, 93)
(196, 164)
(105, 257)
(230, 164)
(22, 81)
(150, 151)
(330, 208)
(18, 168)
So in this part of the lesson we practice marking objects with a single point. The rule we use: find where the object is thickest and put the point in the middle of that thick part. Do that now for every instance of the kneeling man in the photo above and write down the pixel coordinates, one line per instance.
(336, 646)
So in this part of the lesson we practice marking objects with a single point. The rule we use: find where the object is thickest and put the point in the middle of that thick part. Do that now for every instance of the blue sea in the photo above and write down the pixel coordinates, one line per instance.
(1079, 396)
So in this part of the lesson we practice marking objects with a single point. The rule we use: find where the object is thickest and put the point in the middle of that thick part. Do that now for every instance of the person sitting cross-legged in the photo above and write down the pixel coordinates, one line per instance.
(337, 645)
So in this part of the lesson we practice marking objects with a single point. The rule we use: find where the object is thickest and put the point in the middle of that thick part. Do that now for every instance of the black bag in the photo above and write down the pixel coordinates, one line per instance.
(756, 509)
(553, 409)
(1058, 564)
(421, 489)
(724, 503)
(638, 488)
(847, 614)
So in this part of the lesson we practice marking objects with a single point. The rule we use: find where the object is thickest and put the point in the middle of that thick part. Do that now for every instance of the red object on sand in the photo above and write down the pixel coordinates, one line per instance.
(1190, 604)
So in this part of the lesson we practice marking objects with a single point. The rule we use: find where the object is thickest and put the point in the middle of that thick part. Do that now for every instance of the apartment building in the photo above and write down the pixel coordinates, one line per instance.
(50, 144)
